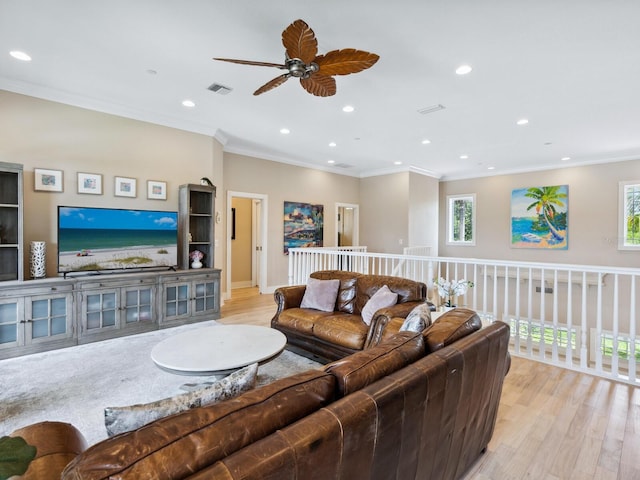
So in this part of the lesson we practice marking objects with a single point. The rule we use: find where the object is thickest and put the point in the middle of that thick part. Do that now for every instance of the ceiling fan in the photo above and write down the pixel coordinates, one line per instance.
(314, 71)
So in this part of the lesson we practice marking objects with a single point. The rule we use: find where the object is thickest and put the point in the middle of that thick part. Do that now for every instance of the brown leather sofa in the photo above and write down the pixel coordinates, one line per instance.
(417, 406)
(334, 335)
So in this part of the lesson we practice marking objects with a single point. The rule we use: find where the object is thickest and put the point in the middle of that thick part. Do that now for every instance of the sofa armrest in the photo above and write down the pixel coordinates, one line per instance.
(287, 297)
(383, 317)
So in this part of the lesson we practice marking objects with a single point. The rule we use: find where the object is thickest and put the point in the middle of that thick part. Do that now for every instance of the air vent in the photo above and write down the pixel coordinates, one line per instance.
(220, 89)
(431, 109)
(342, 165)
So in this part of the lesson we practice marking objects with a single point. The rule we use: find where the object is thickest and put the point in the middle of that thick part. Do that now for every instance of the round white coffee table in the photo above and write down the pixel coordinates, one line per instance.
(218, 349)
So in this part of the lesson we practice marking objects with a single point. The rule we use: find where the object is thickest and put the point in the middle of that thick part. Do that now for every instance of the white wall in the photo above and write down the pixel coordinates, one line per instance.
(43, 134)
(592, 215)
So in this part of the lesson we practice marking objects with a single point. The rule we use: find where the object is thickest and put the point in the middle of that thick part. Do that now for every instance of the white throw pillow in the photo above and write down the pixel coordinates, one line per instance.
(124, 419)
(321, 294)
(418, 319)
(381, 299)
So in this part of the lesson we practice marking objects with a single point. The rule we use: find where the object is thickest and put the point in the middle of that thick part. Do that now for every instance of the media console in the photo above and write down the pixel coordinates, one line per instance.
(40, 315)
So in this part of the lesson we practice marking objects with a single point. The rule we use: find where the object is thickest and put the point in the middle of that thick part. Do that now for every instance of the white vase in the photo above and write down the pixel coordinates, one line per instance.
(38, 259)
(196, 264)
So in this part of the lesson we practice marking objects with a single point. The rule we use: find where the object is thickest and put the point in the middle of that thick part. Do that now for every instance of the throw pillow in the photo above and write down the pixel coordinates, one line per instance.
(381, 299)
(321, 294)
(418, 319)
(124, 419)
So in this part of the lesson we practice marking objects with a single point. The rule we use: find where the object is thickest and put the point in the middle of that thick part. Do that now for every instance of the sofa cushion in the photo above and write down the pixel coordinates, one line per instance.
(177, 446)
(124, 419)
(342, 329)
(346, 299)
(381, 299)
(320, 294)
(451, 326)
(363, 368)
(301, 320)
(418, 319)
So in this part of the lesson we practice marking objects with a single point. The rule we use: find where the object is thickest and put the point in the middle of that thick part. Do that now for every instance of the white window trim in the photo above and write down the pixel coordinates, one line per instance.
(449, 232)
(622, 216)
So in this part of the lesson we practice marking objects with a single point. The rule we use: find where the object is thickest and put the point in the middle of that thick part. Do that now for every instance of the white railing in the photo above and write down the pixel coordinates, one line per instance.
(575, 316)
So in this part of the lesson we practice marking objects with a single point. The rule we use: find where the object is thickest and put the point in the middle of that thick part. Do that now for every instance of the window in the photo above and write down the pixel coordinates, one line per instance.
(461, 219)
(629, 219)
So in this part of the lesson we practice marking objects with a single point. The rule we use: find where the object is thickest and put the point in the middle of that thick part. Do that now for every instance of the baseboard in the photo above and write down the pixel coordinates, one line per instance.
(243, 284)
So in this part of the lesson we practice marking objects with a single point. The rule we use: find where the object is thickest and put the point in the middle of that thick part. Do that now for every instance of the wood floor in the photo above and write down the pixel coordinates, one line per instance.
(552, 423)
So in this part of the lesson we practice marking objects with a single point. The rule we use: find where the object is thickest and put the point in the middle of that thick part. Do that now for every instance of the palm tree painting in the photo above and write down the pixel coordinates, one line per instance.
(539, 217)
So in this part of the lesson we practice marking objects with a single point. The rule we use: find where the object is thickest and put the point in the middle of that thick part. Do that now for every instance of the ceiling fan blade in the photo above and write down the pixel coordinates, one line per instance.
(319, 85)
(271, 84)
(249, 62)
(300, 41)
(346, 61)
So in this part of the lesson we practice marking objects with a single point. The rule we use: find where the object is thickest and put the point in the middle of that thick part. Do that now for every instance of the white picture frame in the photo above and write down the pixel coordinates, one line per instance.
(156, 190)
(47, 180)
(90, 183)
(125, 187)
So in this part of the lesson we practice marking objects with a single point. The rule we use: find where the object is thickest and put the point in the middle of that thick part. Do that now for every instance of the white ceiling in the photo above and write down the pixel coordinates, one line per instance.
(571, 67)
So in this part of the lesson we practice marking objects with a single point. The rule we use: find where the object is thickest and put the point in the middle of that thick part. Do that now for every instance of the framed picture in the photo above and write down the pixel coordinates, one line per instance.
(90, 183)
(48, 180)
(539, 217)
(156, 190)
(125, 187)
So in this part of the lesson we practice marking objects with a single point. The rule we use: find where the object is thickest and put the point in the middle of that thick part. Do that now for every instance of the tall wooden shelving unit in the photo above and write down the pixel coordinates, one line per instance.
(11, 204)
(196, 224)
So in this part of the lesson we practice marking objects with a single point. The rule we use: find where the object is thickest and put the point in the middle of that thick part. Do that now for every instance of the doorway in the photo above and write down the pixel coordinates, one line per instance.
(246, 233)
(347, 225)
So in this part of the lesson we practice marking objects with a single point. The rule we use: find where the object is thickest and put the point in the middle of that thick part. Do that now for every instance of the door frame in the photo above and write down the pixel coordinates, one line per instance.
(262, 236)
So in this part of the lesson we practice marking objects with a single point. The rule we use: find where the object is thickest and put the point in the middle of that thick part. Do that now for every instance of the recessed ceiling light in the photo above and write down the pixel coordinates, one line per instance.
(151, 71)
(285, 131)
(522, 121)
(18, 55)
(491, 168)
(348, 109)
(332, 144)
(463, 69)
(397, 162)
(188, 103)
(464, 157)
(331, 161)
(426, 141)
(564, 159)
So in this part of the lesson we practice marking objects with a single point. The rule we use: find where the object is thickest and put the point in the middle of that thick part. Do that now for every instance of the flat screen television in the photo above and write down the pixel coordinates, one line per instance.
(95, 239)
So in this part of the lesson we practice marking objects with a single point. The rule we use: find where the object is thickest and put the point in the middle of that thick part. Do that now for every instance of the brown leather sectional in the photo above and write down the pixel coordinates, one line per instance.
(333, 335)
(417, 406)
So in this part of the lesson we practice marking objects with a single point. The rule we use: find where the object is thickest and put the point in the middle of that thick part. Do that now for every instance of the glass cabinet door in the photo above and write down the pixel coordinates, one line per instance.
(205, 296)
(9, 322)
(101, 310)
(49, 317)
(138, 305)
(177, 300)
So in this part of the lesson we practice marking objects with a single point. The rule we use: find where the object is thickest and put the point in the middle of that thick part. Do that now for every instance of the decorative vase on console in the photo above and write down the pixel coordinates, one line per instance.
(196, 258)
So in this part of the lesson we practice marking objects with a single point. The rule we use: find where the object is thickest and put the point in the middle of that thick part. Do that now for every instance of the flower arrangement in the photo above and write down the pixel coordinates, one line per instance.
(449, 289)
(196, 255)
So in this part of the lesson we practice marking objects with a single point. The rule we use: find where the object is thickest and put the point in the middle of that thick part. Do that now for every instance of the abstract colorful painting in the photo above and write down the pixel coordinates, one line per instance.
(539, 217)
(303, 225)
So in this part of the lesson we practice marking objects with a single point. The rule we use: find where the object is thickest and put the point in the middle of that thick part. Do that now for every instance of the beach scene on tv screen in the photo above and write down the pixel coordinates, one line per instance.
(91, 239)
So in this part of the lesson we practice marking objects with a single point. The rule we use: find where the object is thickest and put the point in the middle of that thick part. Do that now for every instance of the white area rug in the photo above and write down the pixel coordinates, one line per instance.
(75, 384)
